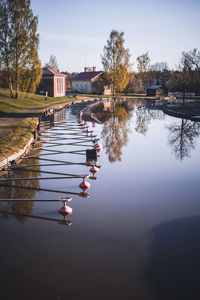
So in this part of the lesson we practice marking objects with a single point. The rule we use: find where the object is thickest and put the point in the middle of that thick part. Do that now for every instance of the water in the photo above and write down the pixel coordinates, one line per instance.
(135, 237)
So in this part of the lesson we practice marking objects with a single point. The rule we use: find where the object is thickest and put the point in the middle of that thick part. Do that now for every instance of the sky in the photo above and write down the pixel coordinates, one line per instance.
(76, 31)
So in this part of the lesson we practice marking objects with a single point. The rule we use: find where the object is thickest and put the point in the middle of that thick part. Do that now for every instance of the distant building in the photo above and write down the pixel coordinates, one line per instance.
(52, 82)
(90, 83)
(155, 90)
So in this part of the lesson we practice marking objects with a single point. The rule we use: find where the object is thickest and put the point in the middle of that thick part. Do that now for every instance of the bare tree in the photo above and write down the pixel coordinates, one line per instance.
(187, 76)
(143, 68)
(160, 72)
(52, 64)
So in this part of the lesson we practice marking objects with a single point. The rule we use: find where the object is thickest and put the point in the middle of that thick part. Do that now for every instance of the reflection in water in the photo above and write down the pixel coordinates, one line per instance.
(18, 215)
(144, 115)
(181, 137)
(143, 119)
(117, 223)
(174, 262)
(26, 190)
(115, 131)
(116, 115)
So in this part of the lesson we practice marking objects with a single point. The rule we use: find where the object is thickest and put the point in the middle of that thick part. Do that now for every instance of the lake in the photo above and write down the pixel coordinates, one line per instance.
(134, 236)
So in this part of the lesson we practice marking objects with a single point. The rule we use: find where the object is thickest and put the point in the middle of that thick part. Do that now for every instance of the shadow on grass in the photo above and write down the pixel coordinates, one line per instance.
(12, 105)
(20, 115)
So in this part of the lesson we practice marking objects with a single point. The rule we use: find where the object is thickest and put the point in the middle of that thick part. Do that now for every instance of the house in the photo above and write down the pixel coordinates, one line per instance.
(155, 90)
(90, 82)
(52, 82)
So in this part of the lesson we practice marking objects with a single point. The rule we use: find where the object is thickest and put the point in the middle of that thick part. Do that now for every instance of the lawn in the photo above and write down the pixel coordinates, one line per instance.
(25, 101)
(15, 136)
(121, 95)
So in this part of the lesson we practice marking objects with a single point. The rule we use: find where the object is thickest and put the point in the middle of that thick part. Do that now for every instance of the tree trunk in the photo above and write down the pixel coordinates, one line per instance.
(114, 86)
(113, 90)
(10, 84)
(11, 90)
(16, 84)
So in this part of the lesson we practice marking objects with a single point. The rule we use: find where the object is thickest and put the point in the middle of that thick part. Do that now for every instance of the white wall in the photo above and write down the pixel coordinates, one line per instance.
(82, 86)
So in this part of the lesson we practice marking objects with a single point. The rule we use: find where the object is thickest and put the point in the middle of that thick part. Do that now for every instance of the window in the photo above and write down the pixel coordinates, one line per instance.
(59, 85)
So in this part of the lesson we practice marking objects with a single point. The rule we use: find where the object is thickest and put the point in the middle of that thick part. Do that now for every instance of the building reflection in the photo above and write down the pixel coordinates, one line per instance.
(182, 137)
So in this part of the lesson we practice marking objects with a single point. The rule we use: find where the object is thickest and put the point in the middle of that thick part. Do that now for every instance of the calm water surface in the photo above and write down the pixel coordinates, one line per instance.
(135, 237)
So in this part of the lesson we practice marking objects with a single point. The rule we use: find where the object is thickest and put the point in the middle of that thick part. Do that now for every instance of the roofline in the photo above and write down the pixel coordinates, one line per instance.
(97, 75)
(86, 79)
(52, 74)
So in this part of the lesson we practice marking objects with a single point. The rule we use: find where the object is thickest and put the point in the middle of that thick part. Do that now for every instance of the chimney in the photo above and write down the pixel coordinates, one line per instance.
(86, 69)
(94, 69)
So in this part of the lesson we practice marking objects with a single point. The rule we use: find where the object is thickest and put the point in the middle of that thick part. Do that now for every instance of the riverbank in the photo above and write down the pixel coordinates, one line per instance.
(25, 101)
(19, 119)
(18, 127)
(15, 137)
(187, 111)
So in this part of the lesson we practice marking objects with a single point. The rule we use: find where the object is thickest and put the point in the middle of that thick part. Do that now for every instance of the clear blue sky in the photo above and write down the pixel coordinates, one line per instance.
(72, 29)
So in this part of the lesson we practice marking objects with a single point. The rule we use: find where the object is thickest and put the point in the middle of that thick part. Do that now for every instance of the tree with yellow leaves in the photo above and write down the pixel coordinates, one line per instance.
(116, 61)
(19, 42)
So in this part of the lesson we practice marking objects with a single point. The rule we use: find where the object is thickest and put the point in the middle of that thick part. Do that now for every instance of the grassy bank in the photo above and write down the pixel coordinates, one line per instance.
(25, 101)
(15, 136)
(121, 95)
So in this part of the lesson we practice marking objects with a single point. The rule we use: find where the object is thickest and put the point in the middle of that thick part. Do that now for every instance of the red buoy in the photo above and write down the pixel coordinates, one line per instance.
(85, 128)
(98, 166)
(98, 147)
(94, 170)
(65, 210)
(84, 185)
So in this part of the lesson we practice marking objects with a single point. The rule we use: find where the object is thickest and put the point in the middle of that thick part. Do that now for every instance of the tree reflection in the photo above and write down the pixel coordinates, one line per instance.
(22, 189)
(143, 119)
(144, 116)
(115, 131)
(182, 137)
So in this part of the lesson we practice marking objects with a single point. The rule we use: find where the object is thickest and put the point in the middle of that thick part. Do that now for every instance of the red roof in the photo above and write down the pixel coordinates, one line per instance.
(86, 75)
(51, 72)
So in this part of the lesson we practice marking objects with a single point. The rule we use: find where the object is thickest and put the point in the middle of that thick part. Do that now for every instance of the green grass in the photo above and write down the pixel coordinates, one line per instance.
(15, 136)
(25, 101)
(111, 96)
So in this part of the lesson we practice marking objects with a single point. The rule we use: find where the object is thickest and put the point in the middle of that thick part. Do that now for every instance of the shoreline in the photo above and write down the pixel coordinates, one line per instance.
(52, 108)
(180, 112)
